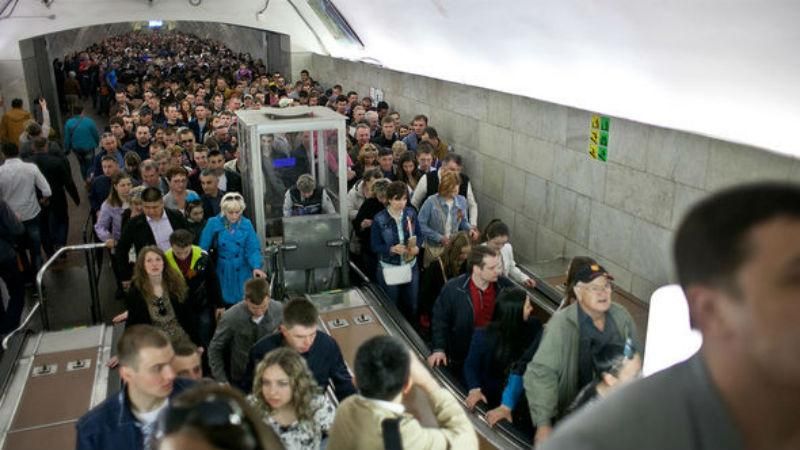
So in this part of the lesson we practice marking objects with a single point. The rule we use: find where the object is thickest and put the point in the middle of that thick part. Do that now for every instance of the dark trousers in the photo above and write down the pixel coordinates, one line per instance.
(404, 296)
(12, 277)
(55, 229)
(85, 161)
(32, 242)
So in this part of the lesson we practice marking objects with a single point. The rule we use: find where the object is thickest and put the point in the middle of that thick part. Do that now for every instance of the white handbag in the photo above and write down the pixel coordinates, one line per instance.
(394, 275)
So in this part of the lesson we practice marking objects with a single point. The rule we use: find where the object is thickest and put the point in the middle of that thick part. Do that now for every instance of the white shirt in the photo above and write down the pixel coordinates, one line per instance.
(223, 182)
(148, 419)
(161, 229)
(18, 183)
(397, 408)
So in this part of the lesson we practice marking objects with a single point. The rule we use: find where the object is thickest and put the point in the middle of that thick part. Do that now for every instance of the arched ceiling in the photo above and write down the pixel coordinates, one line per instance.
(721, 68)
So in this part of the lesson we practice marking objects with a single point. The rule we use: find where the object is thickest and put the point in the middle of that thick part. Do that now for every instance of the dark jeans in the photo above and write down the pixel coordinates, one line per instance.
(85, 161)
(55, 229)
(404, 296)
(11, 275)
(32, 241)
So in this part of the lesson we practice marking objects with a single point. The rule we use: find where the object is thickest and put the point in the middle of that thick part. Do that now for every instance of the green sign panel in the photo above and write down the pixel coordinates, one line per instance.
(599, 134)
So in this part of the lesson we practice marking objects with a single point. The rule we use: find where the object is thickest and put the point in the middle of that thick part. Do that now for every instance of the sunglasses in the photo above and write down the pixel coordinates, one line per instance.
(187, 141)
(162, 306)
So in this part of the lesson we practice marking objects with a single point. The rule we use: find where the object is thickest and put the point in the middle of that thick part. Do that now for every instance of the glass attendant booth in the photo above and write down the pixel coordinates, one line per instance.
(306, 252)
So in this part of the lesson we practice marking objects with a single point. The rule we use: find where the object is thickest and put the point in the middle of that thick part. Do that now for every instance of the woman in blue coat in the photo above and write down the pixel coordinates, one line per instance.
(237, 249)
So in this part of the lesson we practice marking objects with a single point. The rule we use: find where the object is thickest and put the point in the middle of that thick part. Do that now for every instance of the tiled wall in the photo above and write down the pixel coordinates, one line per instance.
(529, 164)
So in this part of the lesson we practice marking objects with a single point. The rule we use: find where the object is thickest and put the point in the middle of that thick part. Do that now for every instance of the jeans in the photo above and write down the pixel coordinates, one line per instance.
(404, 296)
(85, 161)
(9, 317)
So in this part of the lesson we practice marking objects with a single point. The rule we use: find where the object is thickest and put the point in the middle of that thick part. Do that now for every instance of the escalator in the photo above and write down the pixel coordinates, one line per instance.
(352, 316)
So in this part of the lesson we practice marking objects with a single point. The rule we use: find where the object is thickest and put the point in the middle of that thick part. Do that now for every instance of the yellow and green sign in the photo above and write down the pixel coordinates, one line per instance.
(599, 129)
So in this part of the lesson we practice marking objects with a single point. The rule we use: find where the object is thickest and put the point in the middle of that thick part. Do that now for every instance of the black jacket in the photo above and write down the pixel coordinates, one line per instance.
(453, 323)
(324, 359)
(10, 229)
(58, 175)
(234, 182)
(137, 234)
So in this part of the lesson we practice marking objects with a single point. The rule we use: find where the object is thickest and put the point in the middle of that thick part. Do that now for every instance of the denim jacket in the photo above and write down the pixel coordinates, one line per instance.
(384, 234)
(432, 219)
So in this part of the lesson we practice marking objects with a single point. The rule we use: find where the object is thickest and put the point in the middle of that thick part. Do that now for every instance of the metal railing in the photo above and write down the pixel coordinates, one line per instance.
(41, 304)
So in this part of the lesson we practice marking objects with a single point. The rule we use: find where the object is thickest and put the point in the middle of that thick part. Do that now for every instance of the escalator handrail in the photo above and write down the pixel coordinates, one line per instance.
(46, 267)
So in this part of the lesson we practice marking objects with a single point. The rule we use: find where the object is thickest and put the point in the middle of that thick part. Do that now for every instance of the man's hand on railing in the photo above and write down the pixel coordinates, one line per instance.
(119, 318)
(437, 358)
(474, 396)
(498, 414)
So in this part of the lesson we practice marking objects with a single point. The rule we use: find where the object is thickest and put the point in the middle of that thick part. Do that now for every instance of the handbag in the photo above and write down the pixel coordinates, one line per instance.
(433, 251)
(394, 275)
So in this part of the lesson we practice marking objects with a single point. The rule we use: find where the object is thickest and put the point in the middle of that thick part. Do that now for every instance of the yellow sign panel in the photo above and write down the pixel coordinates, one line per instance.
(595, 122)
(593, 150)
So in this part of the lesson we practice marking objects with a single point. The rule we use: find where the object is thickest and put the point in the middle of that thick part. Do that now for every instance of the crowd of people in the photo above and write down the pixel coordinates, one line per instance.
(166, 197)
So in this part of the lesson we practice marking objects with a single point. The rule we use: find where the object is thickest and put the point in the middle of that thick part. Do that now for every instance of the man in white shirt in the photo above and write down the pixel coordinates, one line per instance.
(18, 183)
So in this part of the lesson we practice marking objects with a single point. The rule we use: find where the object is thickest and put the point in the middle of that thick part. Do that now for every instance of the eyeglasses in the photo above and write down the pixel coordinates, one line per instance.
(232, 197)
(598, 289)
(187, 141)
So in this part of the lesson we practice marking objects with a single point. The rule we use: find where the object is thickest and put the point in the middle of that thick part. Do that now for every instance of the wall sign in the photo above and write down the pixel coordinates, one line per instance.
(599, 129)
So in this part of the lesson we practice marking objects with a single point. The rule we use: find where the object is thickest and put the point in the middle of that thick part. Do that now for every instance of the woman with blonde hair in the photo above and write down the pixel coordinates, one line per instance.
(232, 237)
(290, 401)
(157, 297)
(443, 215)
(367, 159)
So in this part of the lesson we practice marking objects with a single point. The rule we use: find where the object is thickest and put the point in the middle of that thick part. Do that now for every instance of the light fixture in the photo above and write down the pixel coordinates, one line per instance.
(195, 2)
(47, 3)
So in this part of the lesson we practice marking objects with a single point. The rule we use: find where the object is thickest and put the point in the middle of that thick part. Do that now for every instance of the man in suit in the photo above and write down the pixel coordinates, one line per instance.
(151, 228)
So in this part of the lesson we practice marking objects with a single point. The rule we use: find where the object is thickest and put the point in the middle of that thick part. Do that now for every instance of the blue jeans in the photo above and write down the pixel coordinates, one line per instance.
(404, 296)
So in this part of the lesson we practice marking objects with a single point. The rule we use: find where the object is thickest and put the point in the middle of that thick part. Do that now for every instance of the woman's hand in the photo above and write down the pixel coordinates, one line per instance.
(398, 249)
(530, 282)
(474, 234)
(366, 223)
(413, 251)
(111, 243)
(258, 273)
